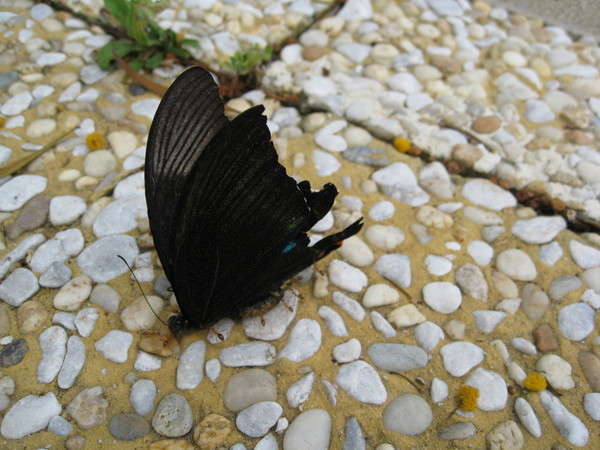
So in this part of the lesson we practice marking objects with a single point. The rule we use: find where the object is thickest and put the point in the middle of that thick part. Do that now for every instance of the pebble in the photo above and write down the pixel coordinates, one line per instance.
(333, 320)
(404, 316)
(472, 283)
(396, 268)
(142, 396)
(298, 392)
(556, 370)
(248, 387)
(544, 338)
(13, 353)
(481, 252)
(56, 275)
(120, 216)
(29, 415)
(256, 420)
(493, 393)
(33, 215)
(66, 209)
(584, 256)
(382, 210)
(460, 357)
(428, 335)
(462, 430)
(438, 265)
(407, 414)
(304, 341)
(346, 277)
(359, 380)
(356, 252)
(348, 351)
(379, 295)
(382, 325)
(60, 426)
(569, 426)
(310, 429)
(528, 418)
(516, 264)
(146, 362)
(114, 346)
(173, 416)
(141, 313)
(190, 367)
(562, 286)
(439, 390)
(73, 362)
(591, 405)
(590, 366)
(53, 342)
(128, 427)
(19, 190)
(523, 345)
(539, 230)
(576, 321)
(485, 193)
(397, 357)
(486, 321)
(98, 260)
(73, 293)
(88, 409)
(442, 297)
(349, 306)
(364, 154)
(106, 297)
(505, 435)
(16, 104)
(273, 324)
(550, 253)
(19, 286)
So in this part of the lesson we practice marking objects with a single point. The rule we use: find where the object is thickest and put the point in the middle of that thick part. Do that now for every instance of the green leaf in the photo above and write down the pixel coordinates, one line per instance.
(120, 9)
(105, 56)
(189, 42)
(155, 60)
(137, 64)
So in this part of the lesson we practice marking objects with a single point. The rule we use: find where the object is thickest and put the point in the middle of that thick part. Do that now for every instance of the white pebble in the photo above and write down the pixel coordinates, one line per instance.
(114, 346)
(576, 321)
(439, 390)
(584, 256)
(493, 393)
(142, 396)
(438, 265)
(349, 306)
(310, 429)
(304, 341)
(19, 286)
(73, 362)
(356, 252)
(141, 313)
(408, 414)
(556, 370)
(333, 320)
(527, 416)
(516, 264)
(382, 210)
(347, 352)
(486, 321)
(251, 354)
(386, 237)
(213, 369)
(66, 209)
(460, 357)
(53, 342)
(256, 420)
(359, 380)
(570, 426)
(29, 415)
(405, 316)
(19, 190)
(298, 392)
(191, 365)
(346, 276)
(73, 293)
(428, 335)
(379, 295)
(145, 362)
(396, 268)
(481, 252)
(325, 163)
(442, 297)
(485, 193)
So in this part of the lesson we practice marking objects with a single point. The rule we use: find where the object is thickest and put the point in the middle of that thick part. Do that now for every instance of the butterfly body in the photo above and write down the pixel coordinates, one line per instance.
(229, 224)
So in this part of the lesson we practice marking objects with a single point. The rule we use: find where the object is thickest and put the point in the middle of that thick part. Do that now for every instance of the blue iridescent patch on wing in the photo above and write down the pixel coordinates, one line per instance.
(288, 247)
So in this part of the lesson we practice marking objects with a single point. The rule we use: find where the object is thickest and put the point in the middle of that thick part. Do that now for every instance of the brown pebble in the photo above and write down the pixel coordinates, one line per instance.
(466, 154)
(544, 338)
(577, 137)
(33, 215)
(13, 353)
(312, 52)
(161, 344)
(486, 124)
(75, 442)
(4, 322)
(590, 366)
(31, 316)
(212, 432)
(445, 64)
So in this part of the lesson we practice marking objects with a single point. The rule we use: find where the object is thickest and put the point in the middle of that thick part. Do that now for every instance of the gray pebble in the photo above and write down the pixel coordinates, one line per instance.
(359, 380)
(407, 414)
(190, 369)
(173, 416)
(396, 268)
(128, 427)
(106, 297)
(304, 341)
(250, 354)
(20, 285)
(534, 301)
(143, 393)
(428, 335)
(13, 353)
(29, 415)
(349, 306)
(353, 435)
(53, 342)
(486, 320)
(33, 215)
(99, 260)
(310, 429)
(576, 321)
(382, 325)
(248, 387)
(462, 430)
(397, 357)
(333, 320)
(561, 286)
(550, 253)
(73, 363)
(60, 426)
(471, 281)
(56, 275)
(364, 154)
(256, 420)
(298, 392)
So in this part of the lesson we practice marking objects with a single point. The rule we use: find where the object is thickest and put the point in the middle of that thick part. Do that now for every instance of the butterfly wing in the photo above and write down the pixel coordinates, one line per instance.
(180, 132)
(238, 227)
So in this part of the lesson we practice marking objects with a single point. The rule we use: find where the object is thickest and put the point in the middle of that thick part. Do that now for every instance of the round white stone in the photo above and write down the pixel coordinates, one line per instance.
(516, 264)
(442, 297)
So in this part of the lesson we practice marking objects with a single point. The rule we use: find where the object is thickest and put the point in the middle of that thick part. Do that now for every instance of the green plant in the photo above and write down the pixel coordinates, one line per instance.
(149, 41)
(243, 61)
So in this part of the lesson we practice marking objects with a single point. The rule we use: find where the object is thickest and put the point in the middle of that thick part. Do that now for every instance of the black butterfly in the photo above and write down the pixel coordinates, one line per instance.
(229, 224)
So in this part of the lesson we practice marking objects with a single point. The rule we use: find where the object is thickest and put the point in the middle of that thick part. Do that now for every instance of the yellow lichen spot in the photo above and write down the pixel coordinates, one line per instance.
(95, 141)
(535, 382)
(467, 398)
(2, 122)
(402, 144)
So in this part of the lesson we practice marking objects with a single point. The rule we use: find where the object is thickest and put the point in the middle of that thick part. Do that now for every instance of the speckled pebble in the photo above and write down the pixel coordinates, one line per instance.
(13, 353)
(89, 408)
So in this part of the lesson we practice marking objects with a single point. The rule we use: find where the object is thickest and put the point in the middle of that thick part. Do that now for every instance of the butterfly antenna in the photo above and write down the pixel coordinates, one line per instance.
(142, 291)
